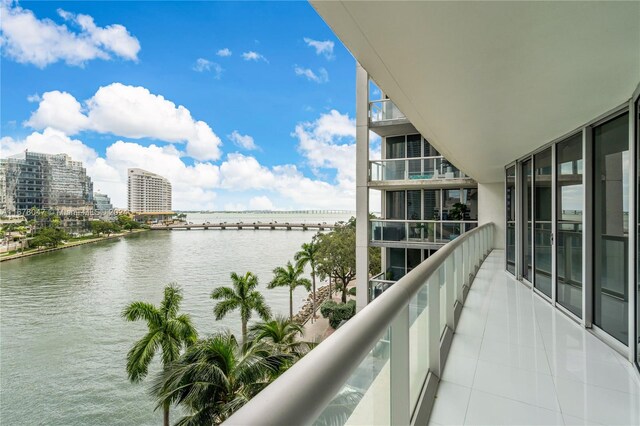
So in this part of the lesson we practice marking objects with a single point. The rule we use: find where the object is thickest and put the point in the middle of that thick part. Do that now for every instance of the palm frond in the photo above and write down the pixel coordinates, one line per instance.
(140, 355)
(142, 310)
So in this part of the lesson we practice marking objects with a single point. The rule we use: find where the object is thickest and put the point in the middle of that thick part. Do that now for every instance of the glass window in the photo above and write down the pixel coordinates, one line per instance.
(569, 200)
(395, 205)
(511, 218)
(611, 226)
(432, 206)
(395, 147)
(414, 257)
(452, 207)
(396, 269)
(470, 201)
(429, 151)
(414, 205)
(527, 200)
(542, 238)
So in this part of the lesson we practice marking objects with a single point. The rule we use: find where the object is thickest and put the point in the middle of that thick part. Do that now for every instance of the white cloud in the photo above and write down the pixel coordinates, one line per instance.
(261, 202)
(59, 110)
(322, 47)
(128, 111)
(203, 65)
(49, 141)
(321, 77)
(253, 56)
(41, 42)
(34, 98)
(243, 141)
(224, 52)
(327, 145)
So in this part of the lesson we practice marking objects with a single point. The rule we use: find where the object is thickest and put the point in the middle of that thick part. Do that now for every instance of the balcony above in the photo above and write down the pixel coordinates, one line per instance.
(386, 119)
(416, 172)
(417, 233)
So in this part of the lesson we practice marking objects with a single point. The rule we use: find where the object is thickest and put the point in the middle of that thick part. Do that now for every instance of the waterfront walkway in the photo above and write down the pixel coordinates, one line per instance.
(34, 252)
(517, 360)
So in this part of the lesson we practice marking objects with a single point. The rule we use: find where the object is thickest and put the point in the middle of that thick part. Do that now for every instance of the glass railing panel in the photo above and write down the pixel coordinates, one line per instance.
(424, 168)
(384, 110)
(365, 399)
(418, 344)
(388, 231)
(379, 284)
(439, 277)
(451, 230)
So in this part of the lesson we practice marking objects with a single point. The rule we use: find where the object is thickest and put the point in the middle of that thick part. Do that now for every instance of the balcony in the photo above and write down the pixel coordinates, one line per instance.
(415, 171)
(514, 359)
(419, 231)
(385, 119)
(378, 284)
(383, 366)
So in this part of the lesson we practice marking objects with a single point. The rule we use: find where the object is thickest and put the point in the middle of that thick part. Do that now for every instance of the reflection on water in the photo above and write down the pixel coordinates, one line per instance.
(62, 341)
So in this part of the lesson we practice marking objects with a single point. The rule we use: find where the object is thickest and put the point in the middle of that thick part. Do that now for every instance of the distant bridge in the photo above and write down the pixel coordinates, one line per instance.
(241, 225)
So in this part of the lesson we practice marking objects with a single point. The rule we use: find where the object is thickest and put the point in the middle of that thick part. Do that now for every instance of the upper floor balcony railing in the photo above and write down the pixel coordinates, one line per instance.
(383, 365)
(419, 231)
(384, 110)
(413, 169)
(378, 284)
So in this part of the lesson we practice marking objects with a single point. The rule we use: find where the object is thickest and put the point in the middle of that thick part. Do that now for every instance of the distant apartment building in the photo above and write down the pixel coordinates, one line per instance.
(102, 205)
(148, 192)
(44, 181)
(425, 200)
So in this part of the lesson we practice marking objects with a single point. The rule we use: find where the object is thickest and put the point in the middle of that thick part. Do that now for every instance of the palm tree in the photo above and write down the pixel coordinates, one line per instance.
(289, 276)
(168, 331)
(216, 376)
(242, 296)
(308, 256)
(281, 333)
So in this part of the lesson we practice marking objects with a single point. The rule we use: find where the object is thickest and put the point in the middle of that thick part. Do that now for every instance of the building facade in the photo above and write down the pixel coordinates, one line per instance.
(148, 192)
(425, 200)
(102, 205)
(46, 182)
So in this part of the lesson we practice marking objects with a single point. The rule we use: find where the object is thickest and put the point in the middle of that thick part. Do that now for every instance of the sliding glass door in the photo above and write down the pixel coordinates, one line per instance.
(526, 228)
(569, 206)
(542, 236)
(611, 227)
(510, 204)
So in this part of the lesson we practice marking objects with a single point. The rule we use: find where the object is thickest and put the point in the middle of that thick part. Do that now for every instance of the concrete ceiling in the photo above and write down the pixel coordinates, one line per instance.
(488, 82)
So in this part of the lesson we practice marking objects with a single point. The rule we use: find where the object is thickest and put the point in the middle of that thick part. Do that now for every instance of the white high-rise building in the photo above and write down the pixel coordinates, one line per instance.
(148, 192)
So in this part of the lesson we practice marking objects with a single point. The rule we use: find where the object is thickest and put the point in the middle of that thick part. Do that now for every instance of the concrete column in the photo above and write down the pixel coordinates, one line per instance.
(362, 189)
(491, 208)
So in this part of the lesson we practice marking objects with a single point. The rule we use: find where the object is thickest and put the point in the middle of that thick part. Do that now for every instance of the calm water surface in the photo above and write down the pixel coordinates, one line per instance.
(63, 343)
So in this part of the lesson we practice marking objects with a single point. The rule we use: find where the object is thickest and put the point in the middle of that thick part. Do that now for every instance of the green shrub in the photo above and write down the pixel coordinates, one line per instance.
(338, 312)
(352, 291)
(327, 307)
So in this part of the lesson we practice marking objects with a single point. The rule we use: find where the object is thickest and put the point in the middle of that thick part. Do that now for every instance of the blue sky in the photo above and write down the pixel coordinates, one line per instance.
(241, 104)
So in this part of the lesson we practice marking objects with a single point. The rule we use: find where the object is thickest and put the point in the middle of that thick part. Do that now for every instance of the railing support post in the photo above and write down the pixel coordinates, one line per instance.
(449, 285)
(433, 302)
(459, 261)
(399, 365)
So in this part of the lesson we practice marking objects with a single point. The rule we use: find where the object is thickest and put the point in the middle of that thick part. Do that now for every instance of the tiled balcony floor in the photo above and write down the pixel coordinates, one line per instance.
(517, 360)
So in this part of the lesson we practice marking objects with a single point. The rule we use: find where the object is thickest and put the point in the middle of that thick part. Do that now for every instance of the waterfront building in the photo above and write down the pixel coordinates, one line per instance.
(102, 205)
(532, 317)
(148, 196)
(52, 182)
(425, 200)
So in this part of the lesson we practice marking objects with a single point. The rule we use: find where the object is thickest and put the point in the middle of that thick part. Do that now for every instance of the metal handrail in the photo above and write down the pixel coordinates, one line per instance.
(301, 393)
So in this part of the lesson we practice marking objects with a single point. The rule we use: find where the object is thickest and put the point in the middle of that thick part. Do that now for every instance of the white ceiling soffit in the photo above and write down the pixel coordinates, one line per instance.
(488, 82)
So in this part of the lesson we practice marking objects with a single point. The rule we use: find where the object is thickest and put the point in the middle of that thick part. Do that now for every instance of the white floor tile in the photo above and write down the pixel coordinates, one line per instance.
(518, 360)
(523, 357)
(597, 404)
(453, 404)
(487, 409)
(460, 370)
(514, 383)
